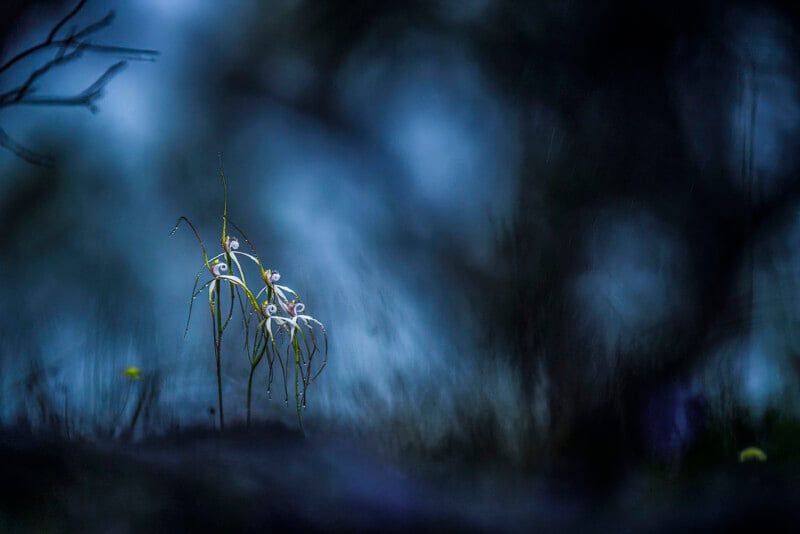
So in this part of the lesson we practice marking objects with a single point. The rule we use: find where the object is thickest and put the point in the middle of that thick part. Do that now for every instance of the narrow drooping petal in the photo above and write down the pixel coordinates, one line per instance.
(248, 256)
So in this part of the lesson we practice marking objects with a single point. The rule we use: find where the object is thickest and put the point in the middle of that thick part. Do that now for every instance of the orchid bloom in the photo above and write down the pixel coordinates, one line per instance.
(291, 322)
(281, 307)
(271, 278)
(295, 311)
(293, 308)
(218, 267)
(231, 244)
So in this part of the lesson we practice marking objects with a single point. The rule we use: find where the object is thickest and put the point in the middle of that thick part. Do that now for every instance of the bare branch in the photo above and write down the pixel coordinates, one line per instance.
(68, 49)
(74, 41)
(96, 26)
(66, 19)
(16, 95)
(50, 41)
(86, 98)
(24, 153)
(22, 55)
(135, 54)
(96, 89)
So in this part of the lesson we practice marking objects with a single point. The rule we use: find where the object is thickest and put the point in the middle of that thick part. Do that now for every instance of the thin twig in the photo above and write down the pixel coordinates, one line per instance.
(96, 26)
(15, 95)
(86, 98)
(47, 43)
(66, 19)
(21, 152)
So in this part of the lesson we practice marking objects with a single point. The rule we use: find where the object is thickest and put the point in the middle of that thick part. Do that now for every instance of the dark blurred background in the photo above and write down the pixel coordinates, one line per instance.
(553, 235)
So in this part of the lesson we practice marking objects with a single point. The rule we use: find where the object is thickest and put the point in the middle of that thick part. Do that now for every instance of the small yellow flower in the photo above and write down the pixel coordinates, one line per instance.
(132, 372)
(752, 454)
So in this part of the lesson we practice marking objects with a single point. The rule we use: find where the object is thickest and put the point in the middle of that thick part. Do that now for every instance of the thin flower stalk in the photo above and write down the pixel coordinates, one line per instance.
(281, 316)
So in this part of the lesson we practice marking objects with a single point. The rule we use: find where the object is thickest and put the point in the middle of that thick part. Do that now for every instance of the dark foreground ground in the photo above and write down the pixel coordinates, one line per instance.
(271, 477)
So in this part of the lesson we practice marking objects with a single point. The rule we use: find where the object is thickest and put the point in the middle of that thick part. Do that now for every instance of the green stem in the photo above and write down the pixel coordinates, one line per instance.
(297, 380)
(249, 392)
(218, 354)
(258, 354)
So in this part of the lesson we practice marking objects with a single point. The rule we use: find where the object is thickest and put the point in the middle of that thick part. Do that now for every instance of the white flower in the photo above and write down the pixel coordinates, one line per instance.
(270, 278)
(293, 308)
(295, 311)
(231, 244)
(218, 268)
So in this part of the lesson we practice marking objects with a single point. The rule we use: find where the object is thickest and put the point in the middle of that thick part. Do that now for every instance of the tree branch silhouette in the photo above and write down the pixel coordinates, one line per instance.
(67, 49)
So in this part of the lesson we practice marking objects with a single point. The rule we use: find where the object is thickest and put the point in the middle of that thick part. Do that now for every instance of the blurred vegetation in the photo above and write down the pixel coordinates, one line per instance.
(119, 408)
(600, 129)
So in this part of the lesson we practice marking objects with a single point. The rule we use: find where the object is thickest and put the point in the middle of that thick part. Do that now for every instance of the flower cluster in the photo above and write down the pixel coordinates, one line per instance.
(275, 325)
